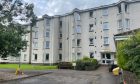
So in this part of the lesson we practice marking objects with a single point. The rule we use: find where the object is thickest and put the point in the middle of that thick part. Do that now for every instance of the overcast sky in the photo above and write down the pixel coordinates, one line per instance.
(57, 7)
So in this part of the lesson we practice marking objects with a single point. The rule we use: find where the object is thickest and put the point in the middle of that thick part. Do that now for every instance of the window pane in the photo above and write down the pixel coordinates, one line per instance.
(47, 56)
(105, 12)
(35, 56)
(105, 25)
(91, 55)
(47, 34)
(106, 41)
(78, 29)
(47, 44)
(60, 57)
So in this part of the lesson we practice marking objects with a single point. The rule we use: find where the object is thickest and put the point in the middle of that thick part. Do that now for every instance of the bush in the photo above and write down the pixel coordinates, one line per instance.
(65, 65)
(86, 64)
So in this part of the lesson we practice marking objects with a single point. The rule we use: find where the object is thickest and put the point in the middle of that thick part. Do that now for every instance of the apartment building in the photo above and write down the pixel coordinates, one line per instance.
(80, 33)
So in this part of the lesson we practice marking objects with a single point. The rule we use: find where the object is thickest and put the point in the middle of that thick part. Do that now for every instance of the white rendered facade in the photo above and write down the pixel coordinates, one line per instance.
(81, 33)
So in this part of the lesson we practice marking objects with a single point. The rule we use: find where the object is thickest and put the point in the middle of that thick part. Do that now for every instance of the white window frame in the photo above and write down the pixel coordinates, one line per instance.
(47, 44)
(106, 40)
(105, 12)
(105, 25)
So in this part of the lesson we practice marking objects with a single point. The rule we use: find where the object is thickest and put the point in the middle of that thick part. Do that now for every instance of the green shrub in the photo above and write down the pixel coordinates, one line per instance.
(87, 64)
(128, 54)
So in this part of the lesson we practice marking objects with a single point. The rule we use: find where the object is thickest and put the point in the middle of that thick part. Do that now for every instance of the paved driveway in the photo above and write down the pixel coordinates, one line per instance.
(100, 76)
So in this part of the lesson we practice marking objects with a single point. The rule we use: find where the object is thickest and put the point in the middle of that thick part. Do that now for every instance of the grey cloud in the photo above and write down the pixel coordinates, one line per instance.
(56, 7)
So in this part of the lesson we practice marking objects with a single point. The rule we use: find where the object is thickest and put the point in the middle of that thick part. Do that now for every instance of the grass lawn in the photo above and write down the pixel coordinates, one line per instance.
(27, 67)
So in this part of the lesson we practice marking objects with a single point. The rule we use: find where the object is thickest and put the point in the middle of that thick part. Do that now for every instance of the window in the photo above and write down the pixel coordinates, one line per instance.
(91, 54)
(78, 55)
(47, 56)
(127, 23)
(108, 56)
(95, 21)
(47, 44)
(78, 42)
(47, 34)
(91, 28)
(91, 41)
(60, 35)
(77, 16)
(35, 56)
(47, 22)
(105, 12)
(60, 23)
(106, 40)
(105, 26)
(120, 24)
(119, 9)
(36, 34)
(126, 8)
(60, 57)
(25, 56)
(78, 29)
(103, 56)
(60, 45)
(35, 44)
(91, 14)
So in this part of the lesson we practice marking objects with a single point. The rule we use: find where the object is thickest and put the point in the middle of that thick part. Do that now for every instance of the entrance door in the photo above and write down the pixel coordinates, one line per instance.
(106, 58)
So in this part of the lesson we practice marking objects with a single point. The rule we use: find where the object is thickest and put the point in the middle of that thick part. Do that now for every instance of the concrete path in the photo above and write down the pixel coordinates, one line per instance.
(100, 76)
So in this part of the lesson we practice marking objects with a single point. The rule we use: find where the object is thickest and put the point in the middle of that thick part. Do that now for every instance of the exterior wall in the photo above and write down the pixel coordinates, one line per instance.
(70, 34)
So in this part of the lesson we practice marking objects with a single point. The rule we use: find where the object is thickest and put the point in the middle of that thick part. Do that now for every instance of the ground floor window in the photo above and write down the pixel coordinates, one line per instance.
(25, 56)
(60, 57)
(47, 56)
(91, 54)
(35, 56)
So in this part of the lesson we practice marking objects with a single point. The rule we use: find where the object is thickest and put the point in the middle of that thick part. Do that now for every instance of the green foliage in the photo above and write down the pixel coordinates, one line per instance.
(86, 64)
(128, 54)
(12, 14)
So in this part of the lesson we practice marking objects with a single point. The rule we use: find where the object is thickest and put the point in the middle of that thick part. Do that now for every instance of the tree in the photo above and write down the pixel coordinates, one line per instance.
(128, 54)
(13, 13)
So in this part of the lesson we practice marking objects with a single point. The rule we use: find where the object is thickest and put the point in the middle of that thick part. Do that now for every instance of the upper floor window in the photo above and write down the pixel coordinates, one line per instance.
(91, 28)
(126, 7)
(119, 9)
(120, 24)
(47, 34)
(36, 34)
(106, 40)
(35, 44)
(60, 45)
(60, 23)
(91, 41)
(105, 25)
(47, 44)
(91, 14)
(78, 42)
(78, 29)
(47, 22)
(77, 16)
(127, 23)
(105, 12)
